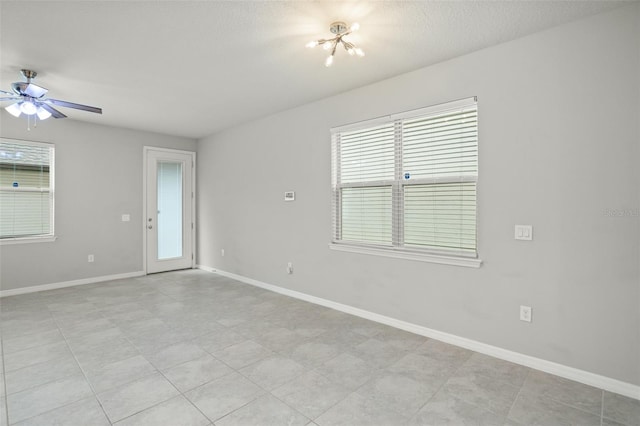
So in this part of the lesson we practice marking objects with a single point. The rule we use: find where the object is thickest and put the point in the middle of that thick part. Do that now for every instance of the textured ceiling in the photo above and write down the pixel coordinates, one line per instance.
(192, 68)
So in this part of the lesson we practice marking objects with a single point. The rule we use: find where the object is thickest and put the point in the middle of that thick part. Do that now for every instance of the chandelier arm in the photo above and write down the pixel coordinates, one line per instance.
(340, 30)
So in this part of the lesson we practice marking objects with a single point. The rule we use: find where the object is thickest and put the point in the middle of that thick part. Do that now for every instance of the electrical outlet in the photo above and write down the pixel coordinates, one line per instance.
(289, 268)
(524, 232)
(126, 217)
(90, 258)
(525, 313)
(222, 252)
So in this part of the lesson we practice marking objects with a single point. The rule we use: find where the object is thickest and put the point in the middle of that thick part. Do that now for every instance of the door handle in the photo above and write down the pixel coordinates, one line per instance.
(150, 227)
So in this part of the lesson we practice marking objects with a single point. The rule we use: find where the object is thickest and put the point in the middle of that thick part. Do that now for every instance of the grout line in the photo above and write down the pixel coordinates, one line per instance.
(84, 374)
(4, 380)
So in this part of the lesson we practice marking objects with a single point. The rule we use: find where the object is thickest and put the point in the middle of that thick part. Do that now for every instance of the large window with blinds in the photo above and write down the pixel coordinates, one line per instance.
(406, 183)
(26, 190)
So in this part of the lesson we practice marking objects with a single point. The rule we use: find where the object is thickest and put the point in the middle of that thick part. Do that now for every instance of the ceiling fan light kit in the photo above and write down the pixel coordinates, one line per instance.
(341, 30)
(30, 100)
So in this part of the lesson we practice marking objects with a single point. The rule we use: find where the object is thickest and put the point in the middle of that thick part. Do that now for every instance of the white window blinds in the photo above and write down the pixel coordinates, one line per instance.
(408, 181)
(26, 189)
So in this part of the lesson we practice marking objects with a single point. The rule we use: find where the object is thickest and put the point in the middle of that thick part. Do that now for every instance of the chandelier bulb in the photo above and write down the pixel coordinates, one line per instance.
(354, 27)
(329, 61)
(312, 44)
(359, 51)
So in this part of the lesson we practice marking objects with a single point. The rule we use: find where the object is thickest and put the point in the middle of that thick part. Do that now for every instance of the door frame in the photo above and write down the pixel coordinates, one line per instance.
(145, 152)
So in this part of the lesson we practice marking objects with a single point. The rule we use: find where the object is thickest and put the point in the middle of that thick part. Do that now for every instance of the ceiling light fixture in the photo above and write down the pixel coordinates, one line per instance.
(340, 29)
(30, 99)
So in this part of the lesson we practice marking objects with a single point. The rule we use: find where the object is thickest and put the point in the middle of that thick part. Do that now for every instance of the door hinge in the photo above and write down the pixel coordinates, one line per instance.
(191, 225)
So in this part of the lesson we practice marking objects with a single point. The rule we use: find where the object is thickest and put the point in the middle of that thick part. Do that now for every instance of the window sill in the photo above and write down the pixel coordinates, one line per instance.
(27, 240)
(399, 254)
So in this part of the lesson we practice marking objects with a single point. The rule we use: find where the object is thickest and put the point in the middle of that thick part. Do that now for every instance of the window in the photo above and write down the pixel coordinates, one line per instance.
(26, 190)
(405, 185)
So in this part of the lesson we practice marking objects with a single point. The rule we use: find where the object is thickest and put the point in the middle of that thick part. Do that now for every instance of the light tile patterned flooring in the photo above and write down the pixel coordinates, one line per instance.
(195, 348)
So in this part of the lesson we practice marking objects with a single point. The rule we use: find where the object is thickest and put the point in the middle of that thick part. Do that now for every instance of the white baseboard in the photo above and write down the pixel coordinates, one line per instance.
(53, 286)
(591, 379)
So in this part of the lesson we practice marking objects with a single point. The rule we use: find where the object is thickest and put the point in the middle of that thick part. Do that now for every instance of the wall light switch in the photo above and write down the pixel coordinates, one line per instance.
(289, 196)
(524, 232)
(126, 218)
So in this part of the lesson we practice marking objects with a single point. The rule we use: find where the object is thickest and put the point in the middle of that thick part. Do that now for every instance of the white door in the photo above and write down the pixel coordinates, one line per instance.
(169, 208)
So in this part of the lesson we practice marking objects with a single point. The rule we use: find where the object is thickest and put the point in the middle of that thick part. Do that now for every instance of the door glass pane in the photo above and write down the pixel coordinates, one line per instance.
(169, 209)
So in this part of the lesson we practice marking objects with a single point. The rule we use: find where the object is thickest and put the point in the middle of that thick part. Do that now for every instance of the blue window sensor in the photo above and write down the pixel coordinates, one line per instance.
(15, 184)
(407, 175)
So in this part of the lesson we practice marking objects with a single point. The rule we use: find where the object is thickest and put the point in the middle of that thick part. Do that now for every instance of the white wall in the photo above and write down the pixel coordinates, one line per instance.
(98, 177)
(559, 145)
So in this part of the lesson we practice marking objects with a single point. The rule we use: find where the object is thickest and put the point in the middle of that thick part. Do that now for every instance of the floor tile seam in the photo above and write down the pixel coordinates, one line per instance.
(21, 334)
(93, 391)
(129, 380)
(268, 392)
(405, 375)
(566, 404)
(431, 398)
(194, 405)
(602, 409)
(375, 369)
(4, 384)
(30, 347)
(501, 381)
(520, 391)
(55, 408)
(77, 373)
(213, 354)
(257, 396)
(198, 386)
(139, 411)
(482, 407)
(257, 384)
(323, 412)
(66, 336)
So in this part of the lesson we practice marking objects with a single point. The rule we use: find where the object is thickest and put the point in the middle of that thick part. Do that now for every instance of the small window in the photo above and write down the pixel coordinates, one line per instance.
(26, 189)
(407, 182)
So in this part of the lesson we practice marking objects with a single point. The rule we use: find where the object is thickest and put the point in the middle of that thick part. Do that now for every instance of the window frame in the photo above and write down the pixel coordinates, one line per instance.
(39, 238)
(397, 249)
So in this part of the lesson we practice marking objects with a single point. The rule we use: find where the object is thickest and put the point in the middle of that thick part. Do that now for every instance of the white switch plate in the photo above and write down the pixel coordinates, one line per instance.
(289, 196)
(524, 232)
(525, 313)
(90, 258)
(126, 218)
(290, 268)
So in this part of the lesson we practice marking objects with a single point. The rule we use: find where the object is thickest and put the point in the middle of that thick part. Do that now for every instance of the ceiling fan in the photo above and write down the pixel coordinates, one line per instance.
(30, 99)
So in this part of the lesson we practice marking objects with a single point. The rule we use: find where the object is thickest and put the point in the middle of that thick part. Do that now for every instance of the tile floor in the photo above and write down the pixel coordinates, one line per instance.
(195, 348)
